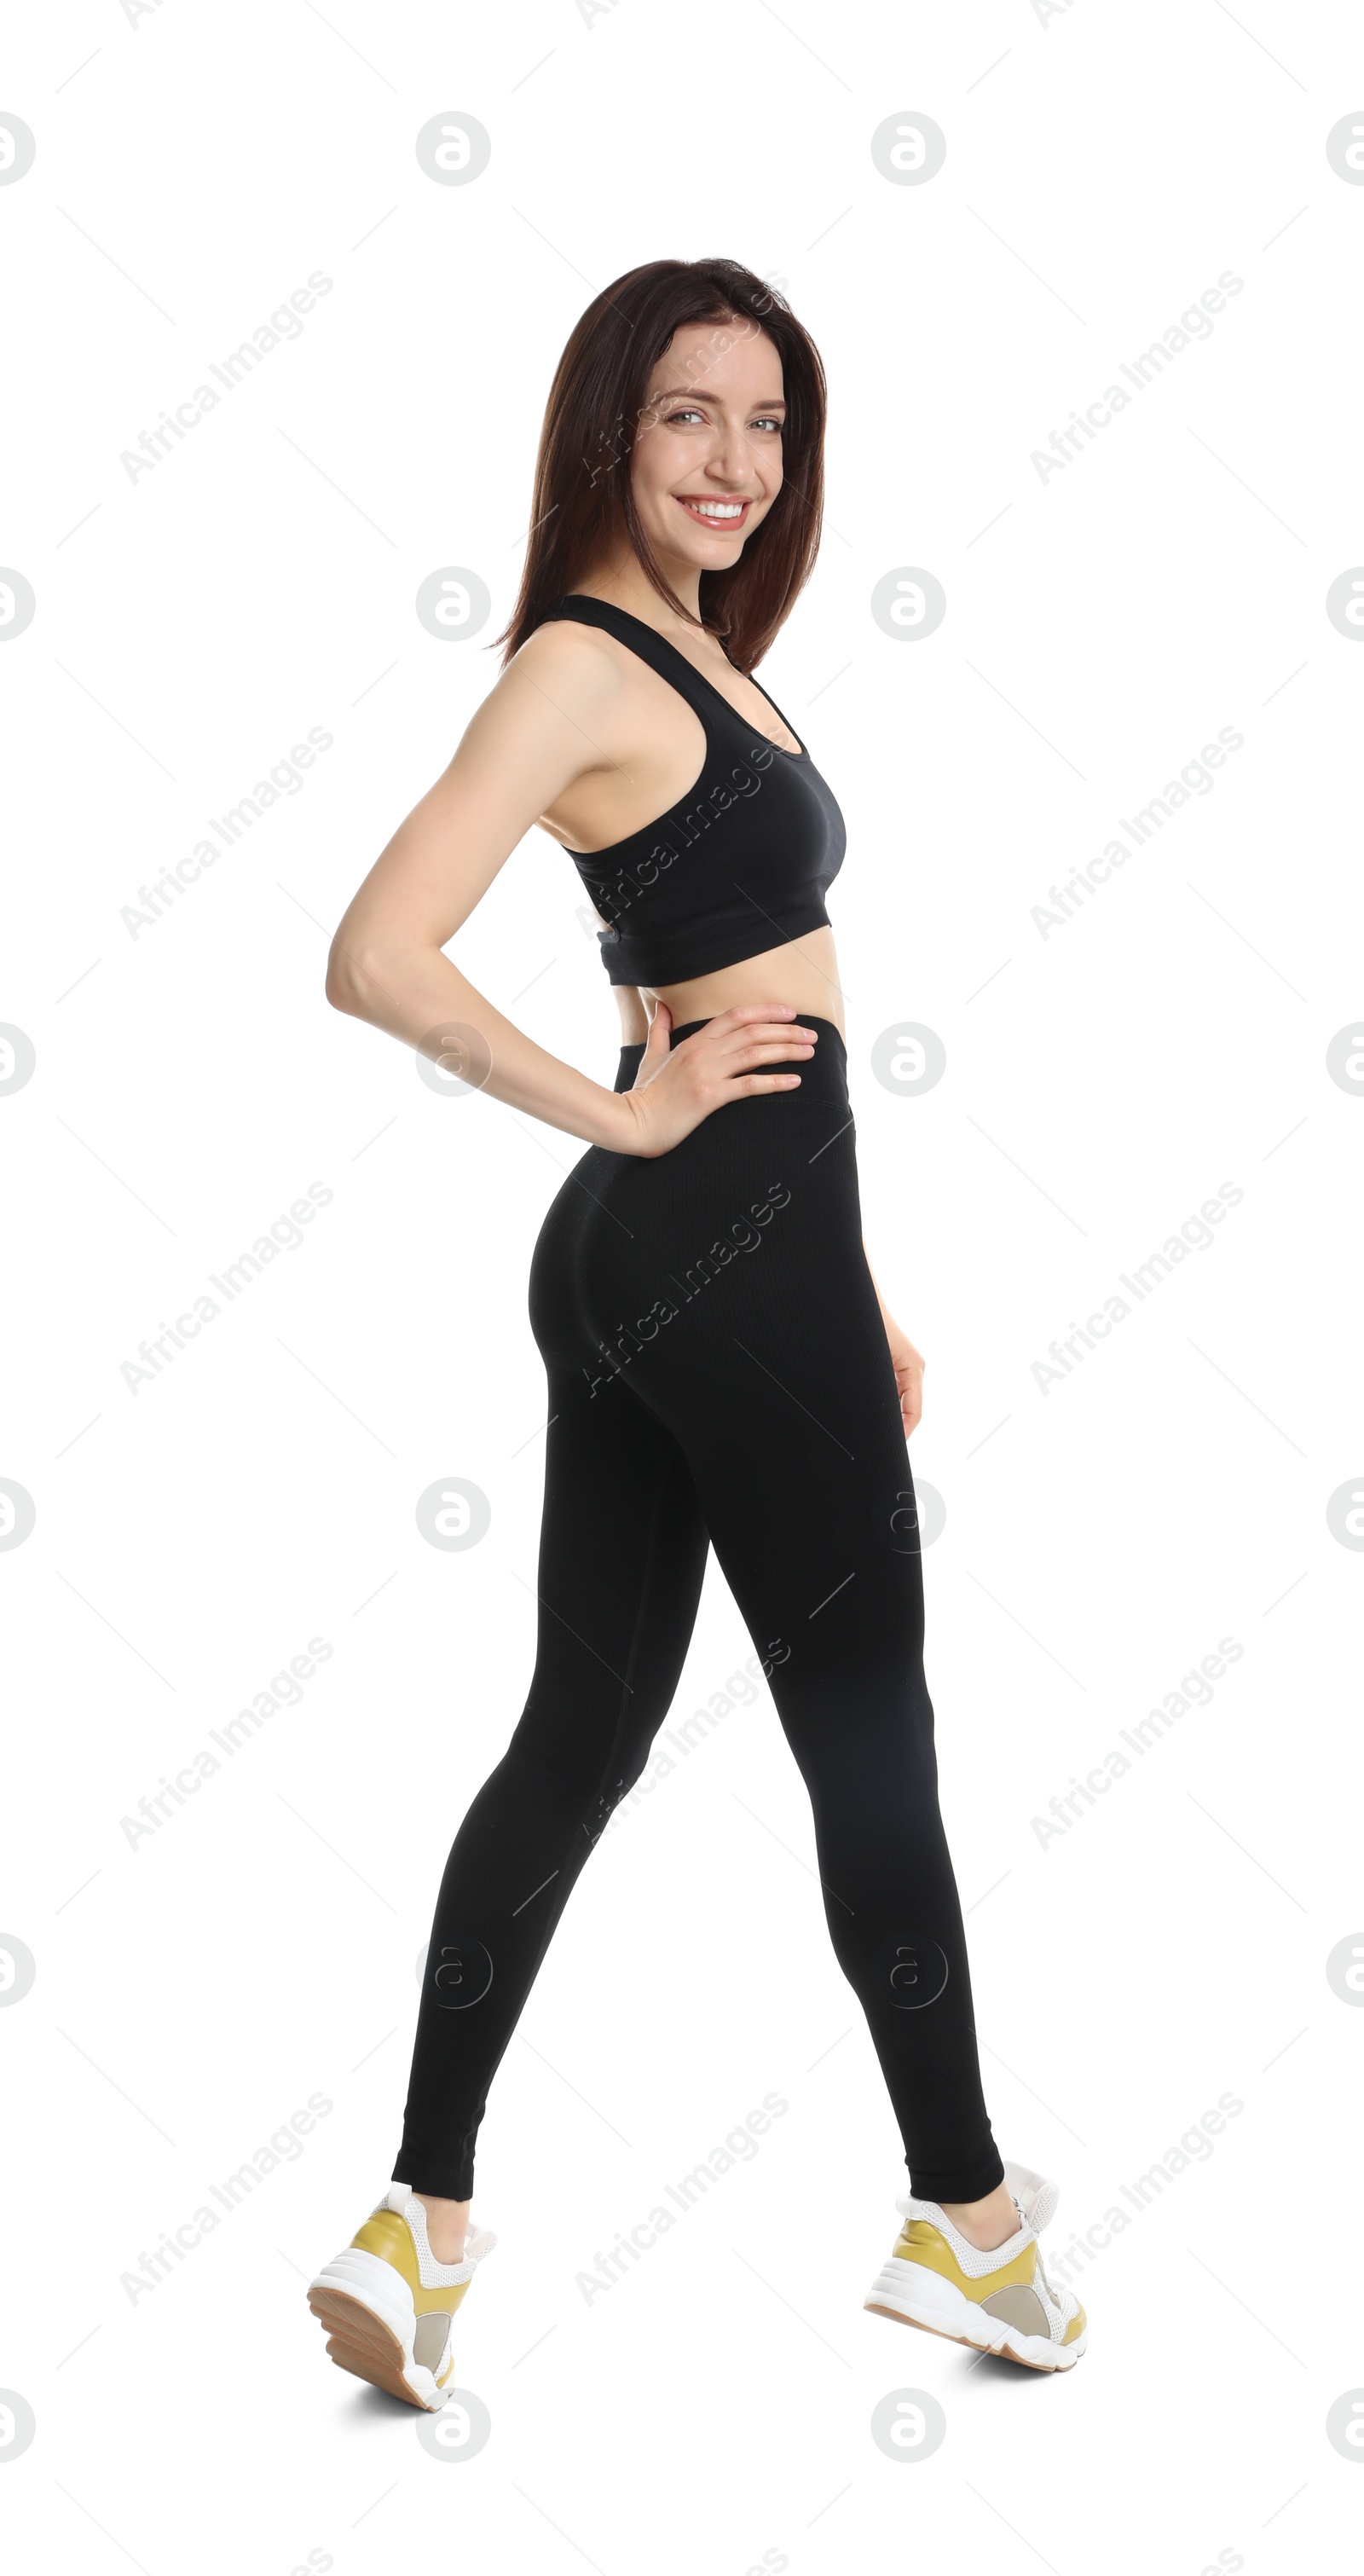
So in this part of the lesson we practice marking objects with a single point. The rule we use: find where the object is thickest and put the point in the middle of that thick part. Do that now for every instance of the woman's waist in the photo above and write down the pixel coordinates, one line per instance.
(802, 973)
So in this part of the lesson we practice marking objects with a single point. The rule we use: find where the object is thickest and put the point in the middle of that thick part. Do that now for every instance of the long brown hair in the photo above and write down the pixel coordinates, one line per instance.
(583, 498)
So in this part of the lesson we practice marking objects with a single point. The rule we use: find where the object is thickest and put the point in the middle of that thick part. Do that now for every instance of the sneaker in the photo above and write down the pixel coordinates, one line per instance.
(389, 2307)
(1000, 2301)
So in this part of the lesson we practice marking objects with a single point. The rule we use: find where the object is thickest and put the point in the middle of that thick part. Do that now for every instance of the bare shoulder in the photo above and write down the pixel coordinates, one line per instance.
(573, 665)
(556, 712)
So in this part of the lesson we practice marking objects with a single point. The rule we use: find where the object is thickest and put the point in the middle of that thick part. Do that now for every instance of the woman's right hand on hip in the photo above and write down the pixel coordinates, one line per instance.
(676, 1087)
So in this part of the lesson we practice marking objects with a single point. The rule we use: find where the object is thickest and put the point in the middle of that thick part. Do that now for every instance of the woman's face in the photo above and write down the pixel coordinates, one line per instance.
(706, 465)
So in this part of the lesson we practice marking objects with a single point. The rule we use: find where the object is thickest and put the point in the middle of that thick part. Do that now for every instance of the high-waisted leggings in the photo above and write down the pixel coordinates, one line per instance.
(718, 1375)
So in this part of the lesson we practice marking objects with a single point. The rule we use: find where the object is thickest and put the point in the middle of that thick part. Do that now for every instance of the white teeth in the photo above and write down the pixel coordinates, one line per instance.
(717, 509)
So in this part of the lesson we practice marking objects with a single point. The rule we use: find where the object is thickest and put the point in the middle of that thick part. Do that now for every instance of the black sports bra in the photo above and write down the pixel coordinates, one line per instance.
(742, 862)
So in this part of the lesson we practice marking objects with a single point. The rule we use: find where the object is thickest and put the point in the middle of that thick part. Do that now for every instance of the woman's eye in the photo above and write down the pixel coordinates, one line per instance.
(681, 415)
(767, 422)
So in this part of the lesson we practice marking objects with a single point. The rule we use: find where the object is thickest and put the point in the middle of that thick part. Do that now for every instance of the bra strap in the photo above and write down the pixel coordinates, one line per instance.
(649, 646)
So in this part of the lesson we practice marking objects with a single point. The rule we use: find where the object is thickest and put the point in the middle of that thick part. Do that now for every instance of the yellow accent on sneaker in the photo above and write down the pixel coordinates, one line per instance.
(1075, 2327)
(920, 2242)
(389, 2236)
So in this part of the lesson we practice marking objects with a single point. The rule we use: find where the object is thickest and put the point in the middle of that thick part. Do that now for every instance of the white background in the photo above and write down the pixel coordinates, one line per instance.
(1103, 168)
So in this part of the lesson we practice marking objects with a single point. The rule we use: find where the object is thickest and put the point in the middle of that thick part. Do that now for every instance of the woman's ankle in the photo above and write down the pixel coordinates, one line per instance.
(984, 2223)
(447, 2225)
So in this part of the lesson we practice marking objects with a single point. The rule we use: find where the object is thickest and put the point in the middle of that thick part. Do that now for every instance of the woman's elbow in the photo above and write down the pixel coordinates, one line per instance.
(348, 981)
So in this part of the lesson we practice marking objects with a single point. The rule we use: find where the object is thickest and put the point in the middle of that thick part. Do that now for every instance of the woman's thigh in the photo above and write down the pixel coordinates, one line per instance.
(724, 1288)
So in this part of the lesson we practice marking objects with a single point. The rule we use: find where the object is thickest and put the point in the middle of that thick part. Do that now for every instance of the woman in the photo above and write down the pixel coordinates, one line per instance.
(721, 1369)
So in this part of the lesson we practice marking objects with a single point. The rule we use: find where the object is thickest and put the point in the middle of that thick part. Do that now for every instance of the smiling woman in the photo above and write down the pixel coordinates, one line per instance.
(708, 457)
(733, 361)
(721, 1371)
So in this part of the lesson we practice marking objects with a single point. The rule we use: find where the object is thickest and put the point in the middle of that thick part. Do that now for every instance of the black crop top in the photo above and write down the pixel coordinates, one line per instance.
(742, 862)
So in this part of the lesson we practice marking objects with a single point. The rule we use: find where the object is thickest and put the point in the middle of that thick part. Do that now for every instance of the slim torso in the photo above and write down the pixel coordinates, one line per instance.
(649, 759)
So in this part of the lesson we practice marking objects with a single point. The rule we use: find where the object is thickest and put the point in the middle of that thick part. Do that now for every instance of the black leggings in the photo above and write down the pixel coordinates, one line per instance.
(718, 1373)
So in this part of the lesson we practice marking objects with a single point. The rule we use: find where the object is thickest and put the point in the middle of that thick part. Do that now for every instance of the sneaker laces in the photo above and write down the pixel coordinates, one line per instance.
(1061, 2305)
(1042, 2282)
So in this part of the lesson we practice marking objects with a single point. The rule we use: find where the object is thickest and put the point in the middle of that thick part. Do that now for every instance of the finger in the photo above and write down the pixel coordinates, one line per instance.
(660, 1031)
(751, 1082)
(755, 1014)
(793, 1041)
(743, 1011)
(752, 1057)
(745, 1055)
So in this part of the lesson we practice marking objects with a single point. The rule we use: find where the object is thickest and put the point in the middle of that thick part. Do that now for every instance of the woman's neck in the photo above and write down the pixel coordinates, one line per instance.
(621, 579)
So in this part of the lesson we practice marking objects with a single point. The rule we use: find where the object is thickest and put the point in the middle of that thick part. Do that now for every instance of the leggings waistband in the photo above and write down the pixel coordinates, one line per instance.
(823, 1075)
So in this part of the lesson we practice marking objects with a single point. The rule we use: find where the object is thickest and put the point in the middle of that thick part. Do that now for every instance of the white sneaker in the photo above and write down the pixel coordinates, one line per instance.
(389, 2306)
(999, 2301)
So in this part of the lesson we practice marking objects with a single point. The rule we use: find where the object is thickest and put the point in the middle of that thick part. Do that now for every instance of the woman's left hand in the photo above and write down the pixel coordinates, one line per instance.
(909, 1366)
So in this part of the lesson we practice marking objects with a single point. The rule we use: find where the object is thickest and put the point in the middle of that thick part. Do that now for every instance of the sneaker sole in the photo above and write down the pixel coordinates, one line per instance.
(960, 2320)
(359, 2302)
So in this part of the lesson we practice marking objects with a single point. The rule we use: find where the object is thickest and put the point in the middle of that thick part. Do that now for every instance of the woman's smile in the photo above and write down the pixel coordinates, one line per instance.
(727, 514)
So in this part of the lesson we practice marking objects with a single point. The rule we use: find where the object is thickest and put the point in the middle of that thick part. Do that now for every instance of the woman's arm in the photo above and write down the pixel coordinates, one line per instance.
(554, 715)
